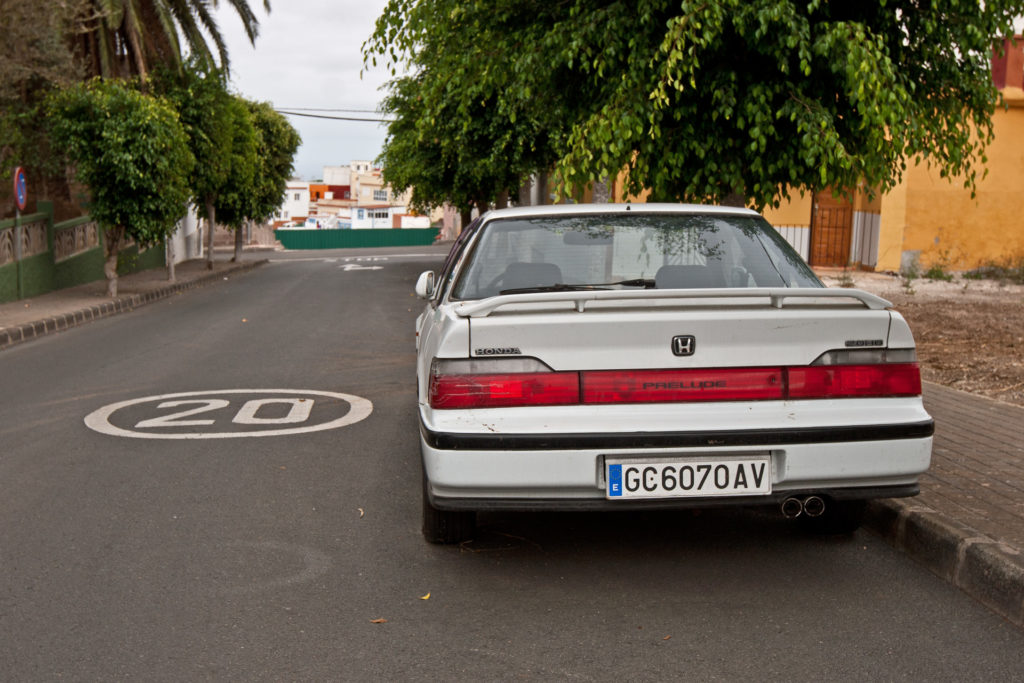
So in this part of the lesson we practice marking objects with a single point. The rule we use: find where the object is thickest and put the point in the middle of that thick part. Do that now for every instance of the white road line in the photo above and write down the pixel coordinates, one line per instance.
(380, 257)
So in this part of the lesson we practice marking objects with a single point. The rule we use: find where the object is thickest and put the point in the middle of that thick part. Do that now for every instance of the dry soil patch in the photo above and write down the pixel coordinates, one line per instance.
(969, 333)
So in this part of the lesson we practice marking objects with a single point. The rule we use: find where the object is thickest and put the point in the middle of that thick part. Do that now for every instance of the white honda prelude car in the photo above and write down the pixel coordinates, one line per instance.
(621, 356)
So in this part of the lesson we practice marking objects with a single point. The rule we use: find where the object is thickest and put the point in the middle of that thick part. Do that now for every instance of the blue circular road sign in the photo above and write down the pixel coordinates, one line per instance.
(20, 189)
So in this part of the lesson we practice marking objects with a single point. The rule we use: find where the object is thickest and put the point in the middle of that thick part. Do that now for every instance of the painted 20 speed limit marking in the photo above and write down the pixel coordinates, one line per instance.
(229, 414)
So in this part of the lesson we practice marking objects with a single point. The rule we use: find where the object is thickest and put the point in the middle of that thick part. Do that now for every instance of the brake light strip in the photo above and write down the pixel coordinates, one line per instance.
(499, 390)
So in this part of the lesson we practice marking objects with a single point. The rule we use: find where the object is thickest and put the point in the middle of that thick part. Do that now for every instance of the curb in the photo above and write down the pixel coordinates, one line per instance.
(38, 328)
(989, 571)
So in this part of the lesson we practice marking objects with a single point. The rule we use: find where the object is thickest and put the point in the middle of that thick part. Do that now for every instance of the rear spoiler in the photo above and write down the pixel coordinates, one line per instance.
(776, 297)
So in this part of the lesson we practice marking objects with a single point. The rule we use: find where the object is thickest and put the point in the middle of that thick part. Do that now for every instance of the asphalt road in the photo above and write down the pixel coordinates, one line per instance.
(271, 557)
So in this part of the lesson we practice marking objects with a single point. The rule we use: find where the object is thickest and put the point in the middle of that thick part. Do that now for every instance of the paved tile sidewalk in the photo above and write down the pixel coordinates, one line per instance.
(967, 525)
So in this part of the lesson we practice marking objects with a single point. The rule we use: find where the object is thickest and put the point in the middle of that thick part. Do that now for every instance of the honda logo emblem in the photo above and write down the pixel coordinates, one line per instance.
(684, 345)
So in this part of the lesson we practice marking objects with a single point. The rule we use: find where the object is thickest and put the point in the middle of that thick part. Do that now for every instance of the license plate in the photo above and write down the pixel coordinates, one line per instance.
(689, 477)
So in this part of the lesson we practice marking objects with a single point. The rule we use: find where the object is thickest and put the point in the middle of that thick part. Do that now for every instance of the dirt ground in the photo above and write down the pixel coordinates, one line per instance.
(969, 333)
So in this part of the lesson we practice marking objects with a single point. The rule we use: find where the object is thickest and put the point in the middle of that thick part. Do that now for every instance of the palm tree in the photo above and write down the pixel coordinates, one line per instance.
(123, 38)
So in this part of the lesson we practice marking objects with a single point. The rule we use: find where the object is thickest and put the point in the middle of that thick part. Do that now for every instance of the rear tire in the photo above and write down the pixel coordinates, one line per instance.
(840, 517)
(446, 526)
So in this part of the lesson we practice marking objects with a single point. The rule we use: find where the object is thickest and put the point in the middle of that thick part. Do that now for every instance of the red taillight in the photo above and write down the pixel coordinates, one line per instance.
(657, 386)
(855, 381)
(479, 383)
(505, 390)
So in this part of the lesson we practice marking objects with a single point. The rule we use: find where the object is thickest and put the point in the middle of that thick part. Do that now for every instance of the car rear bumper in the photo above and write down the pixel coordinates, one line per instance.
(567, 471)
(584, 504)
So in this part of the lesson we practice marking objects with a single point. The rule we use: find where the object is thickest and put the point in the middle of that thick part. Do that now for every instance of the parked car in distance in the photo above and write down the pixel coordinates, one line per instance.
(616, 356)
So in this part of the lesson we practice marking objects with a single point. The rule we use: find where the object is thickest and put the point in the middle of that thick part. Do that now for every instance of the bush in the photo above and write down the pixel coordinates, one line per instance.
(937, 272)
(1010, 269)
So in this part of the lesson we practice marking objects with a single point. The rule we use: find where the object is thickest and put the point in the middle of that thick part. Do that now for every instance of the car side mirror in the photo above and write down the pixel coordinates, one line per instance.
(425, 285)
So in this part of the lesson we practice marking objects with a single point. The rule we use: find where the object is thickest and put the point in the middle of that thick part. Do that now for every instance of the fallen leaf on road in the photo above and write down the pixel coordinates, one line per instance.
(378, 621)
(244, 320)
(361, 513)
(666, 637)
(425, 597)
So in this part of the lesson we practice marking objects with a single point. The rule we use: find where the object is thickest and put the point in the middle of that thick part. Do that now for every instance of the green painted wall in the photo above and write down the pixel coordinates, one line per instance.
(354, 239)
(39, 274)
(8, 282)
(79, 269)
(131, 261)
(34, 272)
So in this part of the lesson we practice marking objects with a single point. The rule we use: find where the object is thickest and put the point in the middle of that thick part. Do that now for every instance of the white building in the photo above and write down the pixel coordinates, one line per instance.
(337, 175)
(295, 204)
(381, 216)
(353, 196)
(186, 240)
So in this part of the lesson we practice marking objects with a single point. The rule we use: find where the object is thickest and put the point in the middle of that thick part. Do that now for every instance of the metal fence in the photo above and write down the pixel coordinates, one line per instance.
(354, 239)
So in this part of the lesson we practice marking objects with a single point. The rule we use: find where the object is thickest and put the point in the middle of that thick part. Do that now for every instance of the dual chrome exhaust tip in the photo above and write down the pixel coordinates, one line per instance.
(812, 506)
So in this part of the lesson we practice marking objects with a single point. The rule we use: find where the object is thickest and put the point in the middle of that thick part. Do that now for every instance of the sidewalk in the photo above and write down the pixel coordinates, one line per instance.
(26, 319)
(967, 525)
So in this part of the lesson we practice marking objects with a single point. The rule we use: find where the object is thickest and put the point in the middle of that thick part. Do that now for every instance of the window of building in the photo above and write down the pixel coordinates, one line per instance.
(380, 195)
(297, 196)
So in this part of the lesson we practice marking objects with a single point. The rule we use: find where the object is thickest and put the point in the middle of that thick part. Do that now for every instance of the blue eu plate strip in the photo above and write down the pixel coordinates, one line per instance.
(614, 480)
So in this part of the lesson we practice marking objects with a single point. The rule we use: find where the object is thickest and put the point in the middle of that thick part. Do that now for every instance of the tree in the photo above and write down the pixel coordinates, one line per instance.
(33, 61)
(130, 150)
(724, 100)
(216, 133)
(455, 138)
(122, 38)
(276, 142)
(439, 157)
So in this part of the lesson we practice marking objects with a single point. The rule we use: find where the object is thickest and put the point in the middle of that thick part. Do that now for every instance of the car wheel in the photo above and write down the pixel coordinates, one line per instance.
(839, 517)
(446, 526)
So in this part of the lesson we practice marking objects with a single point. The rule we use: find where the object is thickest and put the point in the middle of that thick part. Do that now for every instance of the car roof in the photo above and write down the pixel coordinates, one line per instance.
(556, 210)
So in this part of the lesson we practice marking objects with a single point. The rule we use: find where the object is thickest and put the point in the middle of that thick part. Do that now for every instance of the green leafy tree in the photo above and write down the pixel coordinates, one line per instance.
(276, 142)
(122, 38)
(132, 153)
(726, 100)
(34, 59)
(235, 195)
(219, 136)
(456, 138)
(48, 45)
(439, 157)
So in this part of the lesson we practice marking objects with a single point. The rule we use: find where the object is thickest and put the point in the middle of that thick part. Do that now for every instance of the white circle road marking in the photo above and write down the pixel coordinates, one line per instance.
(99, 420)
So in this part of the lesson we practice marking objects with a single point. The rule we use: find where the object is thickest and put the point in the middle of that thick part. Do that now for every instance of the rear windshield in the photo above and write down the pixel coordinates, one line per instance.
(664, 251)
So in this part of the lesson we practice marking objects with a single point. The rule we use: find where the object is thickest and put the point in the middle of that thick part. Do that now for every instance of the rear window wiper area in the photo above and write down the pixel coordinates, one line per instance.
(561, 287)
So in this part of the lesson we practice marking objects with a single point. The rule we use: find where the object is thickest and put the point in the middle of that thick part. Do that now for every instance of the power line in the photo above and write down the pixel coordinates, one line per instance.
(335, 118)
(351, 111)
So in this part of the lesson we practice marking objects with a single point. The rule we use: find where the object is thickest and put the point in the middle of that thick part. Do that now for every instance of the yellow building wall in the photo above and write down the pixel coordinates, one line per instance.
(867, 202)
(937, 220)
(796, 211)
(893, 224)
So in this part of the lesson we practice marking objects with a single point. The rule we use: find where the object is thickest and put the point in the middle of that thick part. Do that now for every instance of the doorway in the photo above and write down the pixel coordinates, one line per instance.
(831, 230)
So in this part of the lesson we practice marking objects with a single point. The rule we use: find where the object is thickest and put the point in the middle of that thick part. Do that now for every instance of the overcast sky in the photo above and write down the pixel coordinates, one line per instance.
(308, 56)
